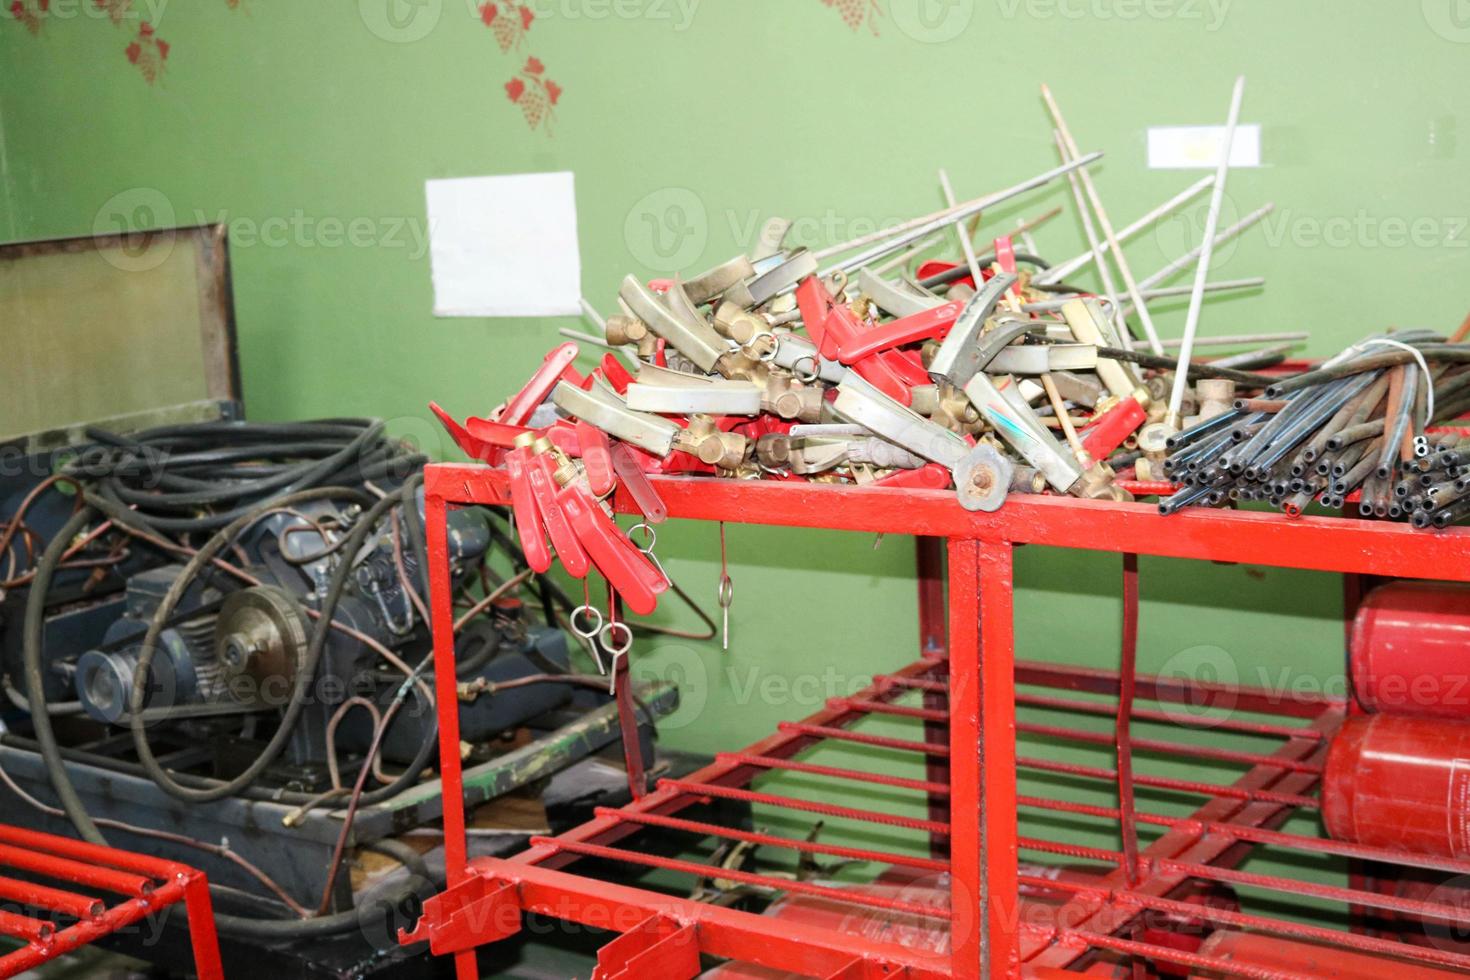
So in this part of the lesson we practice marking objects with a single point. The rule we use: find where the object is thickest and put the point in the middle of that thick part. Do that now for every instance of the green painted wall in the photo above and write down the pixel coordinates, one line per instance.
(312, 126)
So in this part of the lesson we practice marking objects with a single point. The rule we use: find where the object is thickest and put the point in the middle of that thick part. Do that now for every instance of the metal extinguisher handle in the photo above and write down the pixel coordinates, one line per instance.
(927, 325)
(486, 452)
(620, 561)
(596, 457)
(552, 370)
(569, 549)
(527, 514)
(636, 482)
(1116, 425)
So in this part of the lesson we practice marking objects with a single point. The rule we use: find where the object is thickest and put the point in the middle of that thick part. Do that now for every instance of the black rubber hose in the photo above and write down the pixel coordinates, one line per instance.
(305, 672)
(962, 271)
(169, 474)
(35, 683)
(340, 922)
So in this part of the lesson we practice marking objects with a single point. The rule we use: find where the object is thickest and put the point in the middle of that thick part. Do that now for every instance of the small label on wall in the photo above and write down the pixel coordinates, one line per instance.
(505, 246)
(1198, 147)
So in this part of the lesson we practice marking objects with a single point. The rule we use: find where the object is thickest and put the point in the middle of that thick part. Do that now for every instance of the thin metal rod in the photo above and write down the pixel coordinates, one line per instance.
(1110, 289)
(938, 221)
(1166, 718)
(1242, 339)
(1184, 260)
(1059, 272)
(1062, 299)
(1210, 287)
(962, 233)
(1106, 225)
(1202, 271)
(591, 314)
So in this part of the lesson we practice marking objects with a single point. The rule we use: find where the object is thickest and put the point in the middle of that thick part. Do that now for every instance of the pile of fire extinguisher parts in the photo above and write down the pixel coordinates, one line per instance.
(868, 362)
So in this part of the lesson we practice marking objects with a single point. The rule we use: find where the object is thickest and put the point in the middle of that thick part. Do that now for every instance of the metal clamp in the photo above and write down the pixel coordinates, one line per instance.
(1013, 419)
(896, 299)
(603, 408)
(676, 322)
(679, 393)
(864, 404)
(960, 356)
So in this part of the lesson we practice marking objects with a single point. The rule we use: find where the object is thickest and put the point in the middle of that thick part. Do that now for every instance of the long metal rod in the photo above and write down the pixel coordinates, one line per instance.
(1183, 262)
(1104, 272)
(938, 221)
(962, 233)
(1060, 271)
(1106, 225)
(1202, 271)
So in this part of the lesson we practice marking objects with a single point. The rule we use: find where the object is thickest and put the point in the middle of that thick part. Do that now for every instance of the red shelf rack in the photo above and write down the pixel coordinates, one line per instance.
(967, 698)
(149, 885)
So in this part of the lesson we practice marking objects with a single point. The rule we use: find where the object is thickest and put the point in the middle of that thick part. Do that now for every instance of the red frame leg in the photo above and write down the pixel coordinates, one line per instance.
(441, 599)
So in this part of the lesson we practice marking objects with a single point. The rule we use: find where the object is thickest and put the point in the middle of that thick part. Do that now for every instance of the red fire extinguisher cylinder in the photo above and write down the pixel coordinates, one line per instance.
(1400, 782)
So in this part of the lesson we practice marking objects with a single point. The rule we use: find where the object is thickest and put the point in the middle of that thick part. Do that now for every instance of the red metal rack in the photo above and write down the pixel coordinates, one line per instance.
(150, 884)
(1257, 764)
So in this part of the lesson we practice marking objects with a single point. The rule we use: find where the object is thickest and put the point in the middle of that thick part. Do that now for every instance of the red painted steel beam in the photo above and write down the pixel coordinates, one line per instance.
(451, 775)
(998, 831)
(968, 943)
(1329, 544)
(188, 886)
(777, 943)
(75, 872)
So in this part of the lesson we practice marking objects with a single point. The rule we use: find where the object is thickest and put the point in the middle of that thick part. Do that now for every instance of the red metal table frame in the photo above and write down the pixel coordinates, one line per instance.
(969, 676)
(150, 884)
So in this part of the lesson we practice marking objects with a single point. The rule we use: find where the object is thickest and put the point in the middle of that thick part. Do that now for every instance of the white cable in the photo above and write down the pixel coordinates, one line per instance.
(1423, 366)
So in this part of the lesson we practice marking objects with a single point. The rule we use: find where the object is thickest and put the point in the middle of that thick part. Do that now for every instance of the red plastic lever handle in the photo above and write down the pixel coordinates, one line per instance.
(930, 476)
(616, 373)
(618, 559)
(926, 325)
(1116, 424)
(519, 408)
(474, 448)
(814, 302)
(527, 514)
(1005, 254)
(881, 375)
(842, 329)
(637, 484)
(544, 487)
(491, 433)
(597, 457)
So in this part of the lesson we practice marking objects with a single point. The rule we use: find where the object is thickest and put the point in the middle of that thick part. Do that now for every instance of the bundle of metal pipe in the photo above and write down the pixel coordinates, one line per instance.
(1358, 430)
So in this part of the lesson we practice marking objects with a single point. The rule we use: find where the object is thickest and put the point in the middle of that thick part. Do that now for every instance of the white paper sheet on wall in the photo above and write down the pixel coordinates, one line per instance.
(504, 246)
(1198, 147)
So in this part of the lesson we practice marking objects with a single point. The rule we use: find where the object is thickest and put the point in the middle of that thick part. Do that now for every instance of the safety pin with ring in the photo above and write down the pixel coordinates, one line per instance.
(769, 353)
(647, 549)
(609, 642)
(589, 634)
(805, 378)
(725, 595)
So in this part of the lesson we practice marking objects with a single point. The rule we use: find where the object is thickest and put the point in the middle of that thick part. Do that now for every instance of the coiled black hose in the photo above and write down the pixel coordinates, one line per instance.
(167, 476)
